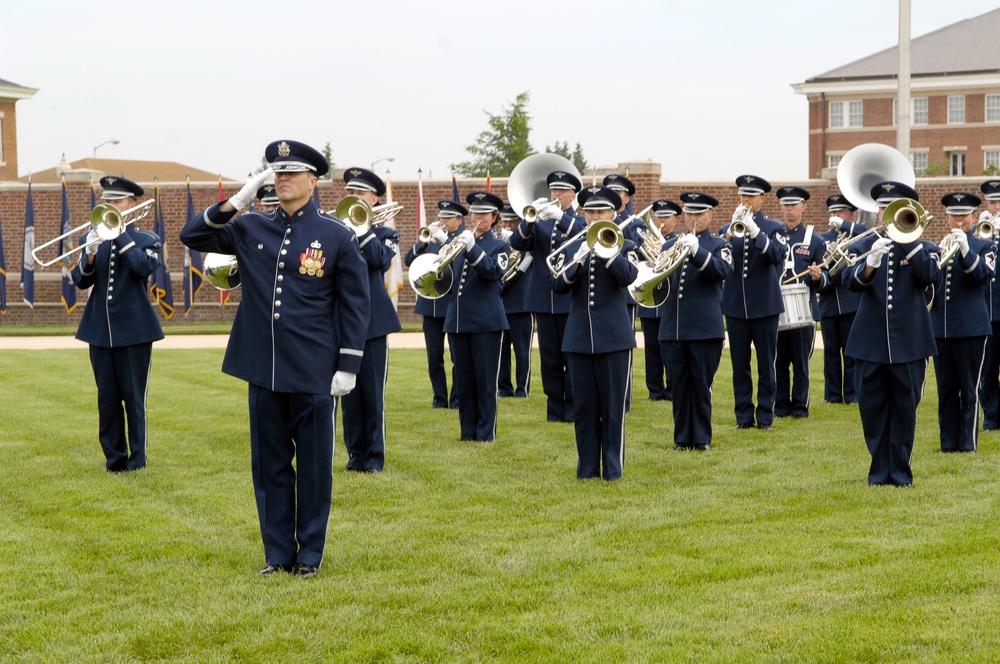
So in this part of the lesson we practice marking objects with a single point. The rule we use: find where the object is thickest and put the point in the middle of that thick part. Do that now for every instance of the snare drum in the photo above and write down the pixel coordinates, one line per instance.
(797, 312)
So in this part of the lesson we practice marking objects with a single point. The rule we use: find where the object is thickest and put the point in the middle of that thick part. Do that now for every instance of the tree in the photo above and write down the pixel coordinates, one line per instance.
(498, 149)
(328, 154)
(576, 156)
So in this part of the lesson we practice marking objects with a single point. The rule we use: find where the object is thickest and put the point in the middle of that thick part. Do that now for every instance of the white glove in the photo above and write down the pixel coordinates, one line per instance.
(538, 202)
(581, 252)
(343, 382)
(439, 235)
(879, 249)
(468, 238)
(525, 263)
(836, 223)
(752, 228)
(985, 216)
(690, 241)
(550, 212)
(505, 234)
(962, 239)
(91, 249)
(243, 197)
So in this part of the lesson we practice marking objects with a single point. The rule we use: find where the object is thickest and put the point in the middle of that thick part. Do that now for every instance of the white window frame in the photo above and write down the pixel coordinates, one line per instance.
(954, 111)
(833, 160)
(991, 157)
(920, 161)
(913, 111)
(957, 156)
(994, 100)
(840, 112)
(855, 110)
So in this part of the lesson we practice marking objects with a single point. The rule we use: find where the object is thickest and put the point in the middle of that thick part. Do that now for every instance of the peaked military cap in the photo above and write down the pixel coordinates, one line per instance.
(695, 202)
(886, 192)
(991, 189)
(620, 183)
(791, 195)
(451, 209)
(116, 187)
(483, 201)
(362, 178)
(666, 208)
(267, 195)
(751, 185)
(292, 156)
(960, 203)
(563, 180)
(507, 213)
(599, 198)
(837, 202)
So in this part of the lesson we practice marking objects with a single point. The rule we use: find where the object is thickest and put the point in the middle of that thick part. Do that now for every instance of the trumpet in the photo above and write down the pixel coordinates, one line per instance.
(949, 247)
(986, 229)
(426, 234)
(530, 212)
(738, 228)
(645, 290)
(106, 220)
(604, 239)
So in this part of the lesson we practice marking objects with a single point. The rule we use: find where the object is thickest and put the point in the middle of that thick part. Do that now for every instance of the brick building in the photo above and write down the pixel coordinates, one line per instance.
(10, 94)
(47, 200)
(955, 102)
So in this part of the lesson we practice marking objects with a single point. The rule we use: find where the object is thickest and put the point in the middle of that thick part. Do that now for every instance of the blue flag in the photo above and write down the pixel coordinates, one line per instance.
(160, 289)
(28, 267)
(68, 289)
(193, 274)
(3, 276)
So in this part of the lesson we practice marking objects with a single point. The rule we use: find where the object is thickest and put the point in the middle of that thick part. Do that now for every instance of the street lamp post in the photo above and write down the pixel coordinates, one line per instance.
(379, 161)
(113, 141)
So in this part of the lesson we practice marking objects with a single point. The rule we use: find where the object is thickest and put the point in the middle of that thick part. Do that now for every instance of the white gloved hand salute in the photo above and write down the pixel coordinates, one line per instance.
(690, 241)
(343, 382)
(468, 239)
(879, 249)
(962, 239)
(242, 198)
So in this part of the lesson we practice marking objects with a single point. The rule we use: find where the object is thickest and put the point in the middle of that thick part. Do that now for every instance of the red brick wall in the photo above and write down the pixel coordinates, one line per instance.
(48, 209)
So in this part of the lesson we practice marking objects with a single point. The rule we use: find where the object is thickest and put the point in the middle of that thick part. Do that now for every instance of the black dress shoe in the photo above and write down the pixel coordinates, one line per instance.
(274, 569)
(373, 471)
(305, 571)
(764, 427)
(681, 448)
(744, 425)
(700, 448)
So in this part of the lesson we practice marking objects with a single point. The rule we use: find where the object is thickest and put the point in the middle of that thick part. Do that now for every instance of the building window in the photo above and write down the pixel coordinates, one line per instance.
(919, 160)
(993, 108)
(833, 160)
(846, 114)
(918, 111)
(957, 160)
(956, 109)
(991, 158)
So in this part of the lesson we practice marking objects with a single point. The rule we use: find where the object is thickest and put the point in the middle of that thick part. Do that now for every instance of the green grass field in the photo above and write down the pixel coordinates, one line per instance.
(769, 548)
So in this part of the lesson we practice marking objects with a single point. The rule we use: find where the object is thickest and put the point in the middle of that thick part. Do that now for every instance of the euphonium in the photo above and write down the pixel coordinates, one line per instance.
(646, 288)
(431, 275)
(652, 244)
(222, 271)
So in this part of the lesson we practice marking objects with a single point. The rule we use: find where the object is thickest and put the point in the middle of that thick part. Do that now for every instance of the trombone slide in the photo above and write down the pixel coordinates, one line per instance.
(106, 220)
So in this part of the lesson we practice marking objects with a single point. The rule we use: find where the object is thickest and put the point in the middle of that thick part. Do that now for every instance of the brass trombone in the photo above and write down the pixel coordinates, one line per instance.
(360, 216)
(106, 220)
(604, 239)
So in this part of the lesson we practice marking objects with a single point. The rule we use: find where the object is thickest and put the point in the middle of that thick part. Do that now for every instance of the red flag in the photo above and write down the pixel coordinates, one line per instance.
(489, 182)
(222, 194)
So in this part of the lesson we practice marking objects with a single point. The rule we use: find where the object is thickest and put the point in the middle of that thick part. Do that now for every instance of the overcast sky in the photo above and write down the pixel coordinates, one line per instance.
(700, 86)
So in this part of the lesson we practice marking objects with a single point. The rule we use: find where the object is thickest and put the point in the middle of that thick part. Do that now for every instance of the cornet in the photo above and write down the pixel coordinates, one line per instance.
(738, 228)
(426, 234)
(986, 229)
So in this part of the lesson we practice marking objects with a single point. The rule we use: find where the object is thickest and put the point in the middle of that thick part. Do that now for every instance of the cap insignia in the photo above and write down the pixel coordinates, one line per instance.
(560, 174)
(995, 184)
(111, 181)
(888, 186)
(748, 179)
(958, 197)
(480, 197)
(594, 190)
(694, 197)
(283, 149)
(355, 172)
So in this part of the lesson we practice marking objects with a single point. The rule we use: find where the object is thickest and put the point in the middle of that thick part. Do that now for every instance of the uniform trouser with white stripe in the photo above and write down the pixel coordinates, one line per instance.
(364, 410)
(989, 386)
(122, 376)
(477, 363)
(763, 334)
(888, 396)
(838, 369)
(556, 382)
(693, 365)
(657, 373)
(958, 366)
(600, 383)
(522, 327)
(434, 343)
(794, 349)
(293, 501)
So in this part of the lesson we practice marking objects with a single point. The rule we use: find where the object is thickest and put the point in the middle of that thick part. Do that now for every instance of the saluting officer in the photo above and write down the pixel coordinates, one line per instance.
(795, 346)
(691, 331)
(267, 198)
(519, 316)
(476, 319)
(450, 222)
(599, 341)
(298, 340)
(556, 223)
(961, 318)
(665, 213)
(751, 301)
(891, 340)
(120, 326)
(989, 390)
(364, 406)
(837, 308)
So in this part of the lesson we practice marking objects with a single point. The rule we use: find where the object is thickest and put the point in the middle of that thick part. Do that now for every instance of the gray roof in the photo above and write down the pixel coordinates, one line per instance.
(968, 46)
(8, 84)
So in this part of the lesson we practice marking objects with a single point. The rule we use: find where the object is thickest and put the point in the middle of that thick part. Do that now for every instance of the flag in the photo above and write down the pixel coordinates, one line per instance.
(3, 276)
(489, 182)
(454, 190)
(394, 275)
(28, 266)
(629, 208)
(160, 290)
(421, 213)
(93, 194)
(222, 194)
(68, 289)
(193, 275)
